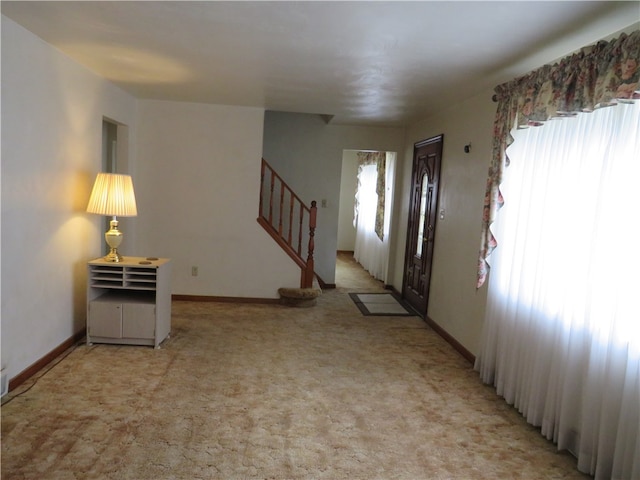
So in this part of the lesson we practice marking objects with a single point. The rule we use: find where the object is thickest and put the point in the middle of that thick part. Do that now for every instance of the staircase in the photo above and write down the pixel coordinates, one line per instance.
(292, 225)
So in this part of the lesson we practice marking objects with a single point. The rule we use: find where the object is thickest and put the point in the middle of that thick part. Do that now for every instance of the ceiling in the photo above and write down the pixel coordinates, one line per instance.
(362, 63)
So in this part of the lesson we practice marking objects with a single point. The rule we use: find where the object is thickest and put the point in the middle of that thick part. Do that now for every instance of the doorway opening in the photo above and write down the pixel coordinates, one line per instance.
(364, 217)
(109, 146)
(115, 159)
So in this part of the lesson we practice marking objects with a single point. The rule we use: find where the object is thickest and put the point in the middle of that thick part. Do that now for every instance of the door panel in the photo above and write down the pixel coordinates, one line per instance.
(138, 320)
(423, 211)
(105, 319)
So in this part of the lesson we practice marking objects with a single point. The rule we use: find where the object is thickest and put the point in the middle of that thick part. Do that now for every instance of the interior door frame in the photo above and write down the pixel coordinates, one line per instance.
(421, 304)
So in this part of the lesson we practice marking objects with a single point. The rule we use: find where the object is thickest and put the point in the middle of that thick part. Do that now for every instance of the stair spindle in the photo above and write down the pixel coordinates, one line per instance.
(291, 201)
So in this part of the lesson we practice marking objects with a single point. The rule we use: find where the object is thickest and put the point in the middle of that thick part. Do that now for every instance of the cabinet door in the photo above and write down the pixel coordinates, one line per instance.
(138, 320)
(105, 319)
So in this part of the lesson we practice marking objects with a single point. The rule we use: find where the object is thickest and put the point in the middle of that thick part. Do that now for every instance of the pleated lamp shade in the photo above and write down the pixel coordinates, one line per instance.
(112, 194)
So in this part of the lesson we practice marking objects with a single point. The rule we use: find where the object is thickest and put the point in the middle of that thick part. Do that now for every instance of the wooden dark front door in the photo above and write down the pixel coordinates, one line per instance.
(423, 210)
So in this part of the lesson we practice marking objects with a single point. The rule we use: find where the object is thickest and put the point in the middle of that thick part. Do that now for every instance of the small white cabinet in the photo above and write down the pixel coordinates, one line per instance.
(129, 302)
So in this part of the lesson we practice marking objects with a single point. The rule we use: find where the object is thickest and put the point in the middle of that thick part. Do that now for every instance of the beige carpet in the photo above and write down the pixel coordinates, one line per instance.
(272, 392)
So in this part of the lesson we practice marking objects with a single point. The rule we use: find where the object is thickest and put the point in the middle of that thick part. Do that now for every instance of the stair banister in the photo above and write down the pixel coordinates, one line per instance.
(281, 228)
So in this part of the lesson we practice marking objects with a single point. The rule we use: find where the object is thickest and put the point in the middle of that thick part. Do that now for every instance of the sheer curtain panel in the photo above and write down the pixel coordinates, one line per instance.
(561, 340)
(373, 211)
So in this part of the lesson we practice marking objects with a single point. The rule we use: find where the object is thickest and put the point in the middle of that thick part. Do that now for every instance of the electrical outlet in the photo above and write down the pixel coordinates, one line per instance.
(194, 271)
(323, 203)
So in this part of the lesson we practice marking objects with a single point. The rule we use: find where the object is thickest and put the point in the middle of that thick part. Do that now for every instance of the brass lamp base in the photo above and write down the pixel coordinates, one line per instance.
(113, 256)
(113, 238)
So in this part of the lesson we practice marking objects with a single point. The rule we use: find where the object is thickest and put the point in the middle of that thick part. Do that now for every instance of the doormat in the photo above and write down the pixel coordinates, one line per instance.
(381, 304)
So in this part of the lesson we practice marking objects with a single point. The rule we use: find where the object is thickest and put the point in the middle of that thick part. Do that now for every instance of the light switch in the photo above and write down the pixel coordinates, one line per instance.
(442, 214)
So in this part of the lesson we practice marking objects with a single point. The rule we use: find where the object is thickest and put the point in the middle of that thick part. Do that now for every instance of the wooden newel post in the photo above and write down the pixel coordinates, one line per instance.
(308, 280)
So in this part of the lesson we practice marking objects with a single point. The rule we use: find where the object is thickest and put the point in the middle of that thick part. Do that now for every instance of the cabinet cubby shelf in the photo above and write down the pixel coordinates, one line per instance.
(123, 277)
(126, 286)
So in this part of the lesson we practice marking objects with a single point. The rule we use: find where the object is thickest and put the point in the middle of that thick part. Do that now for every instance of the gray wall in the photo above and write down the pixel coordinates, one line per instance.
(307, 153)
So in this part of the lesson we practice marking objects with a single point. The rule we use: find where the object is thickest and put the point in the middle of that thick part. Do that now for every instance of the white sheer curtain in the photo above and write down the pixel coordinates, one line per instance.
(370, 251)
(561, 339)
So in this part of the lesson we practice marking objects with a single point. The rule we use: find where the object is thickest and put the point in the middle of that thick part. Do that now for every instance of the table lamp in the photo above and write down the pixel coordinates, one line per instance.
(112, 195)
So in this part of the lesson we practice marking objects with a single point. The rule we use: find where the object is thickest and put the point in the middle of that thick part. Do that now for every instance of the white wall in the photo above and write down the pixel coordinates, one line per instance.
(52, 112)
(348, 187)
(197, 188)
(454, 303)
(307, 153)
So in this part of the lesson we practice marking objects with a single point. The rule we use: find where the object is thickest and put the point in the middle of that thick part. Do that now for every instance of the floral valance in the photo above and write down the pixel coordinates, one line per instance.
(379, 160)
(600, 75)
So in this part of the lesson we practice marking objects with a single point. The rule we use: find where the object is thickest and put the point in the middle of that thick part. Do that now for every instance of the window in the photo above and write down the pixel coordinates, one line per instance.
(562, 333)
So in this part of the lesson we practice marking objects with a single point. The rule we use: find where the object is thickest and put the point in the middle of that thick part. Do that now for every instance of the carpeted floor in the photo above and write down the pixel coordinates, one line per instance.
(246, 391)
